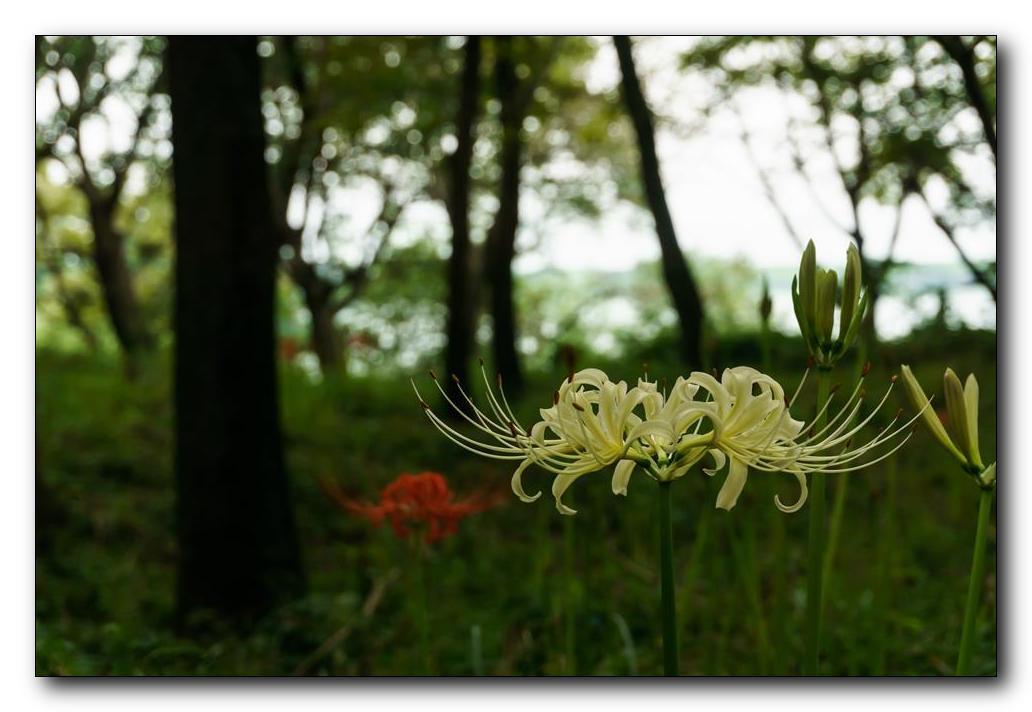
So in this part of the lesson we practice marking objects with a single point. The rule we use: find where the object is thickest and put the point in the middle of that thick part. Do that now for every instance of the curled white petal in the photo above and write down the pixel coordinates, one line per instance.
(560, 485)
(803, 491)
(737, 473)
(719, 460)
(622, 475)
(517, 484)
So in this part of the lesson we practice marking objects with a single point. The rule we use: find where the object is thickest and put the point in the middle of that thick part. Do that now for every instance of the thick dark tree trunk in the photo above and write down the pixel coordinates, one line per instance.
(116, 282)
(680, 283)
(460, 306)
(237, 543)
(502, 239)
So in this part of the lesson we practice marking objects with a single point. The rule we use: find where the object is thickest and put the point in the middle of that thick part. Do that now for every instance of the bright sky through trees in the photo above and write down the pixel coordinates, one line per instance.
(716, 198)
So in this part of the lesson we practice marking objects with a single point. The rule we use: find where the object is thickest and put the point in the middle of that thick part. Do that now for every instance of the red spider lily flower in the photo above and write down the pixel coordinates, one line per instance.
(423, 500)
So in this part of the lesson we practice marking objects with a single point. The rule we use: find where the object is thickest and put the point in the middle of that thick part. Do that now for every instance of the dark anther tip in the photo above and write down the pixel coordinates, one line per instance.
(432, 374)
(866, 369)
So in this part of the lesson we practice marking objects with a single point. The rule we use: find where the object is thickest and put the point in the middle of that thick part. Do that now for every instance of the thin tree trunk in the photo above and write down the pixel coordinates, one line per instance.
(238, 551)
(683, 291)
(324, 338)
(116, 282)
(460, 307)
(502, 240)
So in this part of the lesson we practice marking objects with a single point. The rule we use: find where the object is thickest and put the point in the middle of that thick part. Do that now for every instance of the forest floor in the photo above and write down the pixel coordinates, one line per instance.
(519, 590)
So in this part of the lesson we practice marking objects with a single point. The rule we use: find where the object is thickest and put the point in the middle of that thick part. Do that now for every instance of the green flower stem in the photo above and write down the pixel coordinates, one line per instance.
(569, 602)
(883, 582)
(666, 565)
(838, 508)
(815, 564)
(967, 638)
(778, 593)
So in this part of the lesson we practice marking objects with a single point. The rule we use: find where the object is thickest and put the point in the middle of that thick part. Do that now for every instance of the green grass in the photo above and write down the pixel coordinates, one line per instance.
(106, 546)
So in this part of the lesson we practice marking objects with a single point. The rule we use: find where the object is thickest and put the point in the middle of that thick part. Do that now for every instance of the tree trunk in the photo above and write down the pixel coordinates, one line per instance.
(680, 283)
(116, 282)
(460, 307)
(324, 337)
(238, 552)
(502, 239)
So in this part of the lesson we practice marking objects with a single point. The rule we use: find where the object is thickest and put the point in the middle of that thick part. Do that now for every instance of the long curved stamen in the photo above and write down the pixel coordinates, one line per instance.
(860, 426)
(508, 453)
(882, 437)
(497, 432)
(870, 462)
(493, 401)
(842, 418)
(484, 417)
(834, 421)
(799, 388)
(505, 401)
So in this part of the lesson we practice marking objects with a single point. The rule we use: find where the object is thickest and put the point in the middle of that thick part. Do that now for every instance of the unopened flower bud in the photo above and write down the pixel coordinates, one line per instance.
(766, 305)
(814, 297)
(959, 435)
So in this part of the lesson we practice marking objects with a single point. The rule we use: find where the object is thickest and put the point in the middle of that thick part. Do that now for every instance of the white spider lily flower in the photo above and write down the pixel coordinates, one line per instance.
(594, 423)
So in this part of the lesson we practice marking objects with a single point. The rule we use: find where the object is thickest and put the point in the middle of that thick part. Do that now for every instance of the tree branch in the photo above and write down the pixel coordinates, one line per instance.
(963, 56)
(800, 165)
(765, 181)
(947, 229)
(356, 279)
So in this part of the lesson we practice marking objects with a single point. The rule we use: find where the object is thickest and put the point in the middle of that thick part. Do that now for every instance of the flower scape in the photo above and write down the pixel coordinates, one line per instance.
(741, 422)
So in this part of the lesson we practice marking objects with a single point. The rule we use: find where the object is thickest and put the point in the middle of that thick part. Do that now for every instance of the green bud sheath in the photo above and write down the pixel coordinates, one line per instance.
(808, 283)
(850, 290)
(988, 476)
(917, 397)
(827, 284)
(957, 413)
(971, 408)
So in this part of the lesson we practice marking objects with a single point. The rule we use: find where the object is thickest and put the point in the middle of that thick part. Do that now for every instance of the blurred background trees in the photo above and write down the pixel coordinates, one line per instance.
(93, 80)
(363, 137)
(888, 113)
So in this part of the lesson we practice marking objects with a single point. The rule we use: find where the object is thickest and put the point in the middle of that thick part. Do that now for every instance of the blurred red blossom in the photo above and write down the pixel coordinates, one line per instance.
(423, 500)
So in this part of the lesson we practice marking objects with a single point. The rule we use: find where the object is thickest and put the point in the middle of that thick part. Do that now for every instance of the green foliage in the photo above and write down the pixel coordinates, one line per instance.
(105, 574)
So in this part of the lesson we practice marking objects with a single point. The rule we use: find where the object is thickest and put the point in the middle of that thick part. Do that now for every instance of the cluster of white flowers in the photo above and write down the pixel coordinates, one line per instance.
(742, 421)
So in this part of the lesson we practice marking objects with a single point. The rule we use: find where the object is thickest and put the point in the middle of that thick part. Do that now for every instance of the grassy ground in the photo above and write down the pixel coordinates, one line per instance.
(519, 590)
